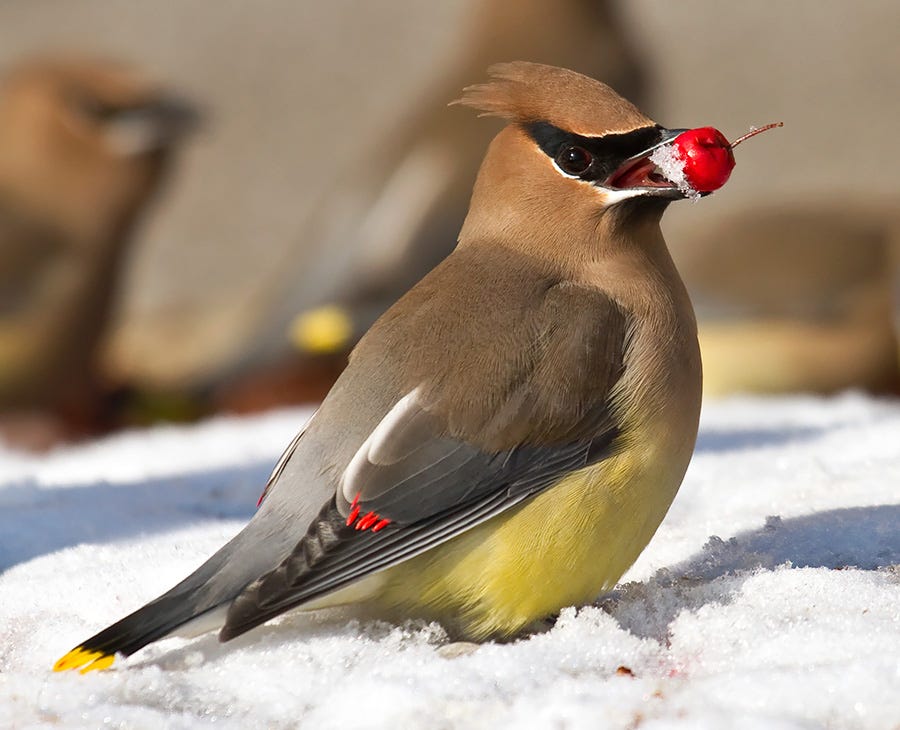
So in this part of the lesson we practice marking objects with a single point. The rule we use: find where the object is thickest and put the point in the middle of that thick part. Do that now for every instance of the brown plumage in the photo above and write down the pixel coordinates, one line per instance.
(84, 144)
(521, 92)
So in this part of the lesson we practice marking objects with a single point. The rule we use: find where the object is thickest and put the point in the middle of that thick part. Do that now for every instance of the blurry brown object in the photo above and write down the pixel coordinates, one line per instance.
(796, 299)
(395, 212)
(84, 145)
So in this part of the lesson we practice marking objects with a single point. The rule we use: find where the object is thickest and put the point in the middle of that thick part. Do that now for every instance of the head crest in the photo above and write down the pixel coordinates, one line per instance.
(529, 92)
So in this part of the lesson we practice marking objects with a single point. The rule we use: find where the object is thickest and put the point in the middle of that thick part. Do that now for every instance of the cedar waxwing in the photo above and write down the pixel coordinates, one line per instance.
(83, 146)
(507, 437)
(796, 298)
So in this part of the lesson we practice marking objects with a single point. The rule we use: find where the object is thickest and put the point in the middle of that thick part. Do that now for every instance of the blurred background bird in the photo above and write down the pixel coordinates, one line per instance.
(393, 213)
(311, 203)
(797, 298)
(84, 145)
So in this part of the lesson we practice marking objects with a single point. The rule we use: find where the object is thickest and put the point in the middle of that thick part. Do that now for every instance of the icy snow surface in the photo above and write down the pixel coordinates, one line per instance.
(671, 163)
(769, 598)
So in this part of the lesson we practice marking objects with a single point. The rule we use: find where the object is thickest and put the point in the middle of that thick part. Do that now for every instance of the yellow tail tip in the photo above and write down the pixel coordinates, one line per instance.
(86, 661)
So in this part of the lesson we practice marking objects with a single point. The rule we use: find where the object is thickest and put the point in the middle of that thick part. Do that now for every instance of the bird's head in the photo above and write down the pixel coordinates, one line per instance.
(575, 157)
(85, 134)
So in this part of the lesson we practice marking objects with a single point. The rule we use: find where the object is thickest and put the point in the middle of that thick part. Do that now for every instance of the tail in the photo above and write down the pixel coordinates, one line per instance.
(213, 585)
(157, 619)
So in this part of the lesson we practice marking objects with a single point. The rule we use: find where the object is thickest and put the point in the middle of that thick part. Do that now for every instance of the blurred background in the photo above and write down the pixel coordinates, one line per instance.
(203, 205)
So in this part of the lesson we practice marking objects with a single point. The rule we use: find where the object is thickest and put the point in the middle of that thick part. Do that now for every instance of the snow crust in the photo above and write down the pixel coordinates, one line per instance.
(671, 163)
(769, 598)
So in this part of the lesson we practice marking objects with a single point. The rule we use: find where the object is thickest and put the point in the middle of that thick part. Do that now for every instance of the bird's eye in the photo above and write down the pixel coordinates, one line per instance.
(90, 107)
(574, 160)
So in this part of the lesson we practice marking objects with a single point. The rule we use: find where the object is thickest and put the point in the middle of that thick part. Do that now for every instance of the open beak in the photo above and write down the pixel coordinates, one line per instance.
(641, 174)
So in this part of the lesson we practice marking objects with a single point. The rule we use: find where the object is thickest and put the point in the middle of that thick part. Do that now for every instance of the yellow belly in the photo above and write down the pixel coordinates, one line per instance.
(562, 548)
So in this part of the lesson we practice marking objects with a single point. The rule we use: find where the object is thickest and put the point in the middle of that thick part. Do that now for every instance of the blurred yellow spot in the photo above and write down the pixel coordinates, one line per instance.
(80, 657)
(322, 331)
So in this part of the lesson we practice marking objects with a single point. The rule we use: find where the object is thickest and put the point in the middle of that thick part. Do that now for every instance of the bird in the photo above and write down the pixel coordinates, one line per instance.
(85, 144)
(508, 436)
(393, 210)
(797, 297)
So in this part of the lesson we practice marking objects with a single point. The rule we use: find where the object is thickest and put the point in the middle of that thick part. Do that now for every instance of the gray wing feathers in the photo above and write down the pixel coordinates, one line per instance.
(432, 475)
(334, 555)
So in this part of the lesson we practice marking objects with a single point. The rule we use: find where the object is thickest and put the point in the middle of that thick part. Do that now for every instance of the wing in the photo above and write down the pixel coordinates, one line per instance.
(283, 461)
(440, 462)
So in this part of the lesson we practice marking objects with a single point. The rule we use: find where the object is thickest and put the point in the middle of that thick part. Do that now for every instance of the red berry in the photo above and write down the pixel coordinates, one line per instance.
(708, 157)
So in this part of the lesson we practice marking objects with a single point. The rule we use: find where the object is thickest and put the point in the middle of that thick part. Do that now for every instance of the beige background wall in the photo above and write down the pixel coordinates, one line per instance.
(295, 89)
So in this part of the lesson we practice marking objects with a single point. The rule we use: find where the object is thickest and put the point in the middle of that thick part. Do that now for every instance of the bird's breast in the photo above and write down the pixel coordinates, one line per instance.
(575, 539)
(564, 547)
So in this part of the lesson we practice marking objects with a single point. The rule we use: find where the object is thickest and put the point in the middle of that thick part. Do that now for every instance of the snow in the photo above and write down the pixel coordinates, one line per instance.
(671, 163)
(769, 598)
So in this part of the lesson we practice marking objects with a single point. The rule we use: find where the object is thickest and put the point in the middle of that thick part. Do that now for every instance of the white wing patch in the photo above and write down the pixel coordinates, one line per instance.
(376, 443)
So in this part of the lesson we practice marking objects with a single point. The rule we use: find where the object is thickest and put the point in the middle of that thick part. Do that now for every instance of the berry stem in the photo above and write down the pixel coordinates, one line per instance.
(754, 132)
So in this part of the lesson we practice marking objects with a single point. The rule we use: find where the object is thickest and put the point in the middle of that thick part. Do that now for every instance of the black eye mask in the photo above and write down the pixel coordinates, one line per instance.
(608, 152)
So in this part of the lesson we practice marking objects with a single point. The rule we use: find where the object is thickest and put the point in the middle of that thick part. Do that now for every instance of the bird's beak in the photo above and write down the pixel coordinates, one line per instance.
(640, 174)
(176, 113)
(152, 126)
